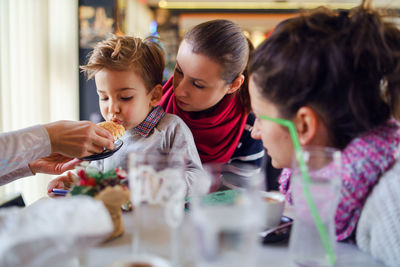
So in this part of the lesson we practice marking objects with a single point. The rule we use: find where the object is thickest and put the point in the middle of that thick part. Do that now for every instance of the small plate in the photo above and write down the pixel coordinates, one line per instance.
(106, 153)
(278, 233)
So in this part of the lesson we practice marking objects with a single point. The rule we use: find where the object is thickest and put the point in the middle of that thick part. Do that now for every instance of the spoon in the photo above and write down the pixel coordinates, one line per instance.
(273, 229)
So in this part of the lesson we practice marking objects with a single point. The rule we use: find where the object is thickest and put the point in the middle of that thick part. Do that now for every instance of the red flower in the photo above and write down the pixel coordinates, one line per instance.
(88, 182)
(92, 182)
(121, 174)
(82, 175)
(83, 182)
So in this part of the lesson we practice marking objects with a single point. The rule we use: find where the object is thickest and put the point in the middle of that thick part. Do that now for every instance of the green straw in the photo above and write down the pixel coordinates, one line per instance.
(307, 181)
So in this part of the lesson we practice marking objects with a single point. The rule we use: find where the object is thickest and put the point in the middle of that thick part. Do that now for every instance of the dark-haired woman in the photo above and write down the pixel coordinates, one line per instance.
(209, 92)
(336, 76)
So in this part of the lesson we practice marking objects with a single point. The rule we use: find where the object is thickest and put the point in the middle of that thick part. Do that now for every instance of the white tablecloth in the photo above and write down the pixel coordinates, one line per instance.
(275, 254)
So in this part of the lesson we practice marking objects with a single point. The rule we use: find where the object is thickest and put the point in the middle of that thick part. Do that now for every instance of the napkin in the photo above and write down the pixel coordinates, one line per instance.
(52, 231)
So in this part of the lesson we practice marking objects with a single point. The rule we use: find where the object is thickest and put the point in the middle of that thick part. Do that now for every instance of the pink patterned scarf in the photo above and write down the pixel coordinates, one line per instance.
(364, 160)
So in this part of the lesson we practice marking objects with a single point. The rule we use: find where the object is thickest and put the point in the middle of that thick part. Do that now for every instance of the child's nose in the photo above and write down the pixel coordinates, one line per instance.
(114, 107)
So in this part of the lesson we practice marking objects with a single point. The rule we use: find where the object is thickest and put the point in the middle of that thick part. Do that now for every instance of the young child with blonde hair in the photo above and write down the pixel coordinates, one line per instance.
(128, 73)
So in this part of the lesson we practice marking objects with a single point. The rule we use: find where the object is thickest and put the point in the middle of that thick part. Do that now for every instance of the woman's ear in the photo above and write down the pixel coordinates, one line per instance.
(156, 94)
(306, 122)
(237, 83)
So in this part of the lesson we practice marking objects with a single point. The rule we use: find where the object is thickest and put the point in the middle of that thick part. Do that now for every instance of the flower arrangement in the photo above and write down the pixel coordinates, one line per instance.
(108, 187)
(91, 181)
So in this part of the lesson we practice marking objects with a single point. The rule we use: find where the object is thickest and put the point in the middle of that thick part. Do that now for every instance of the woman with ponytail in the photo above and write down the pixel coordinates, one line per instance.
(209, 92)
(336, 76)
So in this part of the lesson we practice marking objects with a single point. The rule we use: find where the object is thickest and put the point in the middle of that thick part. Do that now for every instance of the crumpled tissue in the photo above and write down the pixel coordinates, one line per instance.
(52, 231)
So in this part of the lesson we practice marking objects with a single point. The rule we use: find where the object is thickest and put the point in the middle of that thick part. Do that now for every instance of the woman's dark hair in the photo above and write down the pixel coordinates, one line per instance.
(223, 42)
(344, 65)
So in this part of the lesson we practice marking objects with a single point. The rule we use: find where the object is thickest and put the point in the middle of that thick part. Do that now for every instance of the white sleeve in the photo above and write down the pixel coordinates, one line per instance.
(378, 231)
(18, 148)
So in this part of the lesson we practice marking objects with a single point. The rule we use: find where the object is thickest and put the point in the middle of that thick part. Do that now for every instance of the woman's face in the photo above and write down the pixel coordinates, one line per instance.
(197, 80)
(276, 138)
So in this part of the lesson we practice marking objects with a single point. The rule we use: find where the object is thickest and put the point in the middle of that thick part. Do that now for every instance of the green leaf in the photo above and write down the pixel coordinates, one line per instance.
(83, 190)
(110, 174)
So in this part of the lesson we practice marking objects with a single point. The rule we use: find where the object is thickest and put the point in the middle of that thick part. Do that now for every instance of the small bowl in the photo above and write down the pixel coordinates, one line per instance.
(273, 205)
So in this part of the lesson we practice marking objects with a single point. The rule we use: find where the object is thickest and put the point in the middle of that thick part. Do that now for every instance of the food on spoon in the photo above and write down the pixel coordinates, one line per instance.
(117, 130)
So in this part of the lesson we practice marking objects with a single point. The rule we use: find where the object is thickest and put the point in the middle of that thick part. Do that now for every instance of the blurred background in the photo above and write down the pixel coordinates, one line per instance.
(43, 42)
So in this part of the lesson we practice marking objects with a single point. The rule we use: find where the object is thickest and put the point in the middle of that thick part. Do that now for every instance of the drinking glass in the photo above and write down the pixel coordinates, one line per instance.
(306, 242)
(226, 223)
(158, 189)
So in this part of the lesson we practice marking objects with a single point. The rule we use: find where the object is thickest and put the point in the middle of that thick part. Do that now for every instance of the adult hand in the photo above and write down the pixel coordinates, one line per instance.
(60, 182)
(53, 164)
(78, 139)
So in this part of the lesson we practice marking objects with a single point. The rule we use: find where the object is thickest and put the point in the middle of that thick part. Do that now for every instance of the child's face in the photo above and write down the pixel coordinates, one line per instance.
(197, 81)
(123, 97)
(276, 139)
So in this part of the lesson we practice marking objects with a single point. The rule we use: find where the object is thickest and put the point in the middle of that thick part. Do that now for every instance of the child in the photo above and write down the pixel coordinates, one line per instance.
(336, 76)
(128, 73)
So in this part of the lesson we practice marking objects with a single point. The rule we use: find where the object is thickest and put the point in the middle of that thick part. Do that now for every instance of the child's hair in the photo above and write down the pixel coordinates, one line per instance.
(223, 42)
(344, 65)
(145, 57)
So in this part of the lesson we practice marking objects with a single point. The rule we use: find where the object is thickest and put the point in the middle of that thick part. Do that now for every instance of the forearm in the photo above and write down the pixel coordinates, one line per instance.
(14, 175)
(18, 148)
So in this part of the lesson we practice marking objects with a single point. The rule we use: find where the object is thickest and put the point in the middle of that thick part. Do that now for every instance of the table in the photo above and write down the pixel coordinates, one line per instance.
(275, 254)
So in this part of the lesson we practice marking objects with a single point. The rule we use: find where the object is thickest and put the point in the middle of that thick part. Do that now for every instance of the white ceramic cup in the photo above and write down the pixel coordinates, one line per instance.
(273, 204)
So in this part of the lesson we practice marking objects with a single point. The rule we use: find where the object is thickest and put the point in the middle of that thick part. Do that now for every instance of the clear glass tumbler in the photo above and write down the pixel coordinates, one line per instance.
(226, 223)
(158, 189)
(306, 245)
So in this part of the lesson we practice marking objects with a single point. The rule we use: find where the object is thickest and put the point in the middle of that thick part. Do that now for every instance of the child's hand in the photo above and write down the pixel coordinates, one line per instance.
(60, 182)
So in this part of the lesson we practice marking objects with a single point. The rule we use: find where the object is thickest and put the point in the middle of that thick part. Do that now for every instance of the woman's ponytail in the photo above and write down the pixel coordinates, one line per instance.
(375, 48)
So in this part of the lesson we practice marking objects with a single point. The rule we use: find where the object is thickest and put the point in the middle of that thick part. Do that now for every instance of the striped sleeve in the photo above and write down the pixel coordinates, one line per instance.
(249, 150)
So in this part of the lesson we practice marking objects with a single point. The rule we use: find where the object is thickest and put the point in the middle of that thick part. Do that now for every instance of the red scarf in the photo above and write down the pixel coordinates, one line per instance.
(217, 135)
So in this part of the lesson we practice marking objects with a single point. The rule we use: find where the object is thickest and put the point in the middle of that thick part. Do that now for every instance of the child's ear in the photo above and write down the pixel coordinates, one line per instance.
(237, 83)
(156, 94)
